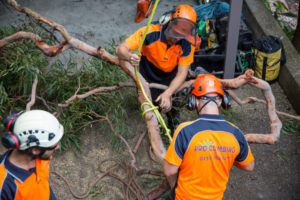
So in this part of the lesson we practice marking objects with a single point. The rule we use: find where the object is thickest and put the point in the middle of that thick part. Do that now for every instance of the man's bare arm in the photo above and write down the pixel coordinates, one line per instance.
(169, 169)
(123, 52)
(248, 167)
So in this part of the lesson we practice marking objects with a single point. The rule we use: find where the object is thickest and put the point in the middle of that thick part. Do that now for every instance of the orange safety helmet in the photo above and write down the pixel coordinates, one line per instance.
(183, 24)
(207, 83)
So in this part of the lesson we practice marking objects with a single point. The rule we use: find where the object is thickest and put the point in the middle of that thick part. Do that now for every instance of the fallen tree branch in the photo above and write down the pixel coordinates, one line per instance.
(44, 102)
(82, 96)
(43, 46)
(276, 124)
(254, 99)
(33, 92)
(59, 112)
(143, 133)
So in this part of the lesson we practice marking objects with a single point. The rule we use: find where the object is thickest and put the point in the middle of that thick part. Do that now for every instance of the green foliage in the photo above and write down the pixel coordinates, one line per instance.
(290, 126)
(17, 67)
(288, 28)
(96, 191)
(60, 81)
(281, 155)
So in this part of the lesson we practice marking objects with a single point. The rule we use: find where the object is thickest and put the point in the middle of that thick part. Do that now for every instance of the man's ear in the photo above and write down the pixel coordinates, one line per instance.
(35, 151)
(197, 103)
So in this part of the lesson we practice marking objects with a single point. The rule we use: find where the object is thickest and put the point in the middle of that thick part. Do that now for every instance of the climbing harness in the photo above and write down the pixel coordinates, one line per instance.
(153, 108)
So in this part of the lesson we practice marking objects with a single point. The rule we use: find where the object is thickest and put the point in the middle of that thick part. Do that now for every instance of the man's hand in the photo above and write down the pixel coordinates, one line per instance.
(123, 52)
(134, 59)
(165, 99)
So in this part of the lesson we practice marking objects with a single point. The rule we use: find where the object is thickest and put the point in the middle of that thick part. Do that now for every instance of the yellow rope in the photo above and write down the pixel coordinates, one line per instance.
(155, 109)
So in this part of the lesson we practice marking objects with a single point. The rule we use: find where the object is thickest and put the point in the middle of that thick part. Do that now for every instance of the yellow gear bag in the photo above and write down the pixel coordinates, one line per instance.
(269, 56)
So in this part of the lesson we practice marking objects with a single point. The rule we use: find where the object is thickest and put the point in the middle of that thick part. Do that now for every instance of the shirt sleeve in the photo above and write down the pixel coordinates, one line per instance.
(177, 147)
(245, 155)
(135, 39)
(187, 54)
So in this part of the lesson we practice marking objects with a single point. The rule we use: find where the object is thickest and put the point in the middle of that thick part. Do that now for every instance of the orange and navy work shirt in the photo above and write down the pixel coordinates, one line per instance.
(159, 60)
(21, 184)
(205, 150)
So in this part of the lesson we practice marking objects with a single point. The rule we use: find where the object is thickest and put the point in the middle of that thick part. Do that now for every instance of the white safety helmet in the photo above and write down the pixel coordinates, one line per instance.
(37, 128)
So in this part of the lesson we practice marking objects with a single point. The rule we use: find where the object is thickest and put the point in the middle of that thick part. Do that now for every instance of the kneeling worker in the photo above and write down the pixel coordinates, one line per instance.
(24, 168)
(205, 149)
(167, 53)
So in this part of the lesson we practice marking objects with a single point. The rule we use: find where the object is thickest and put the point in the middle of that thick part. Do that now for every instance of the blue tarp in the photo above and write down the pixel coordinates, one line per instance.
(212, 10)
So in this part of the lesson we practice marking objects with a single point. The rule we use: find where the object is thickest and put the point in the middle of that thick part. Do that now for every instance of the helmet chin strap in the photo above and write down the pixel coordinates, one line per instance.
(40, 155)
(214, 99)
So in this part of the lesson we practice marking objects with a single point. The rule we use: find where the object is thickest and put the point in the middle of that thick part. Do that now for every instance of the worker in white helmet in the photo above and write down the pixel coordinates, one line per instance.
(24, 169)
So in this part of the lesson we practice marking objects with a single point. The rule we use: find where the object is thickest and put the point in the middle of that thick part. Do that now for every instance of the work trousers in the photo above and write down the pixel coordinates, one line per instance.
(171, 195)
(173, 115)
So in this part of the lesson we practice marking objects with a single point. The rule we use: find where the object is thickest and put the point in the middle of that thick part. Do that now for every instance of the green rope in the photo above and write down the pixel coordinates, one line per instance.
(155, 109)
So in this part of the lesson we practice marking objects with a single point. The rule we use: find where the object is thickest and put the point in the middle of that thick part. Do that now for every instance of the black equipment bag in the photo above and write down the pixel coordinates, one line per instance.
(245, 34)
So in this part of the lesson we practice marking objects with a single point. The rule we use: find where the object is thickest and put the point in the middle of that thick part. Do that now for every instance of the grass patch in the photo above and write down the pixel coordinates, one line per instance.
(290, 126)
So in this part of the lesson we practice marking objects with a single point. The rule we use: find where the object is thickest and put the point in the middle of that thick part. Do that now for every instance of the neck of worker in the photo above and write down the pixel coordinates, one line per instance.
(211, 108)
(21, 159)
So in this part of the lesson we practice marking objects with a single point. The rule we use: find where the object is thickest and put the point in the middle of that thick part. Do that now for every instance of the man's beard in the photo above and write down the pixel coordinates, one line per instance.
(45, 157)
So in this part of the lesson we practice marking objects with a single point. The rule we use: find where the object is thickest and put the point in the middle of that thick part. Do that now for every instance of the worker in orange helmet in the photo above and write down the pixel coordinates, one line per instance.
(205, 149)
(166, 55)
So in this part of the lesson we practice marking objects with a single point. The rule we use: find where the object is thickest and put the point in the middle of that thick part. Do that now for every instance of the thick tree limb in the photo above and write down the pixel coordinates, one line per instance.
(266, 89)
(45, 48)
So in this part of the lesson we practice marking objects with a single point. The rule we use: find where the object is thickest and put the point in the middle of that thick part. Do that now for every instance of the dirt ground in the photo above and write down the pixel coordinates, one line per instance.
(95, 22)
